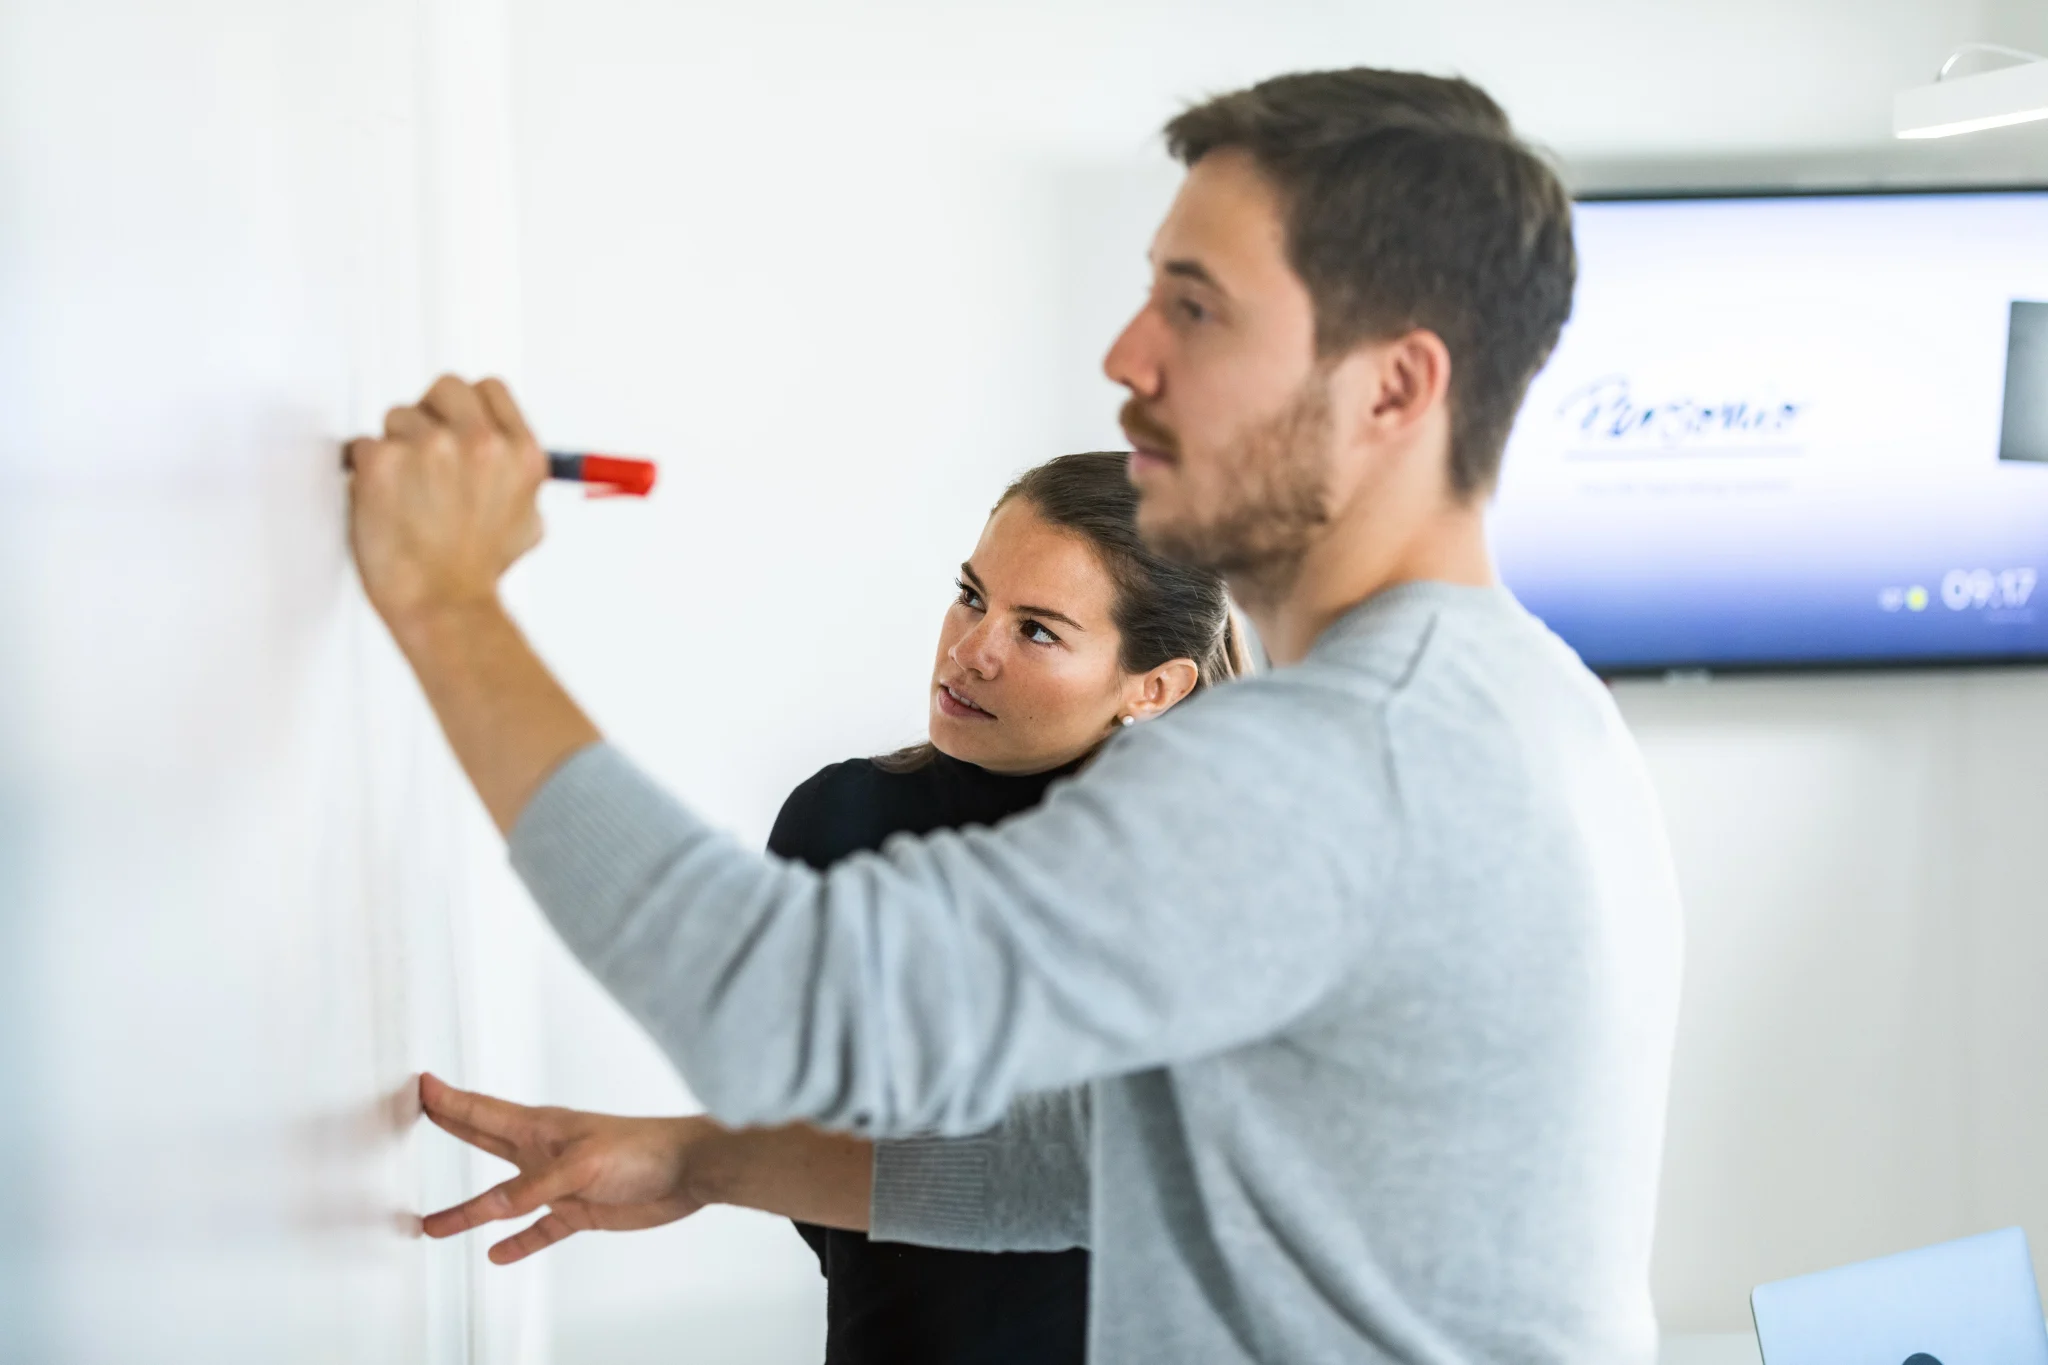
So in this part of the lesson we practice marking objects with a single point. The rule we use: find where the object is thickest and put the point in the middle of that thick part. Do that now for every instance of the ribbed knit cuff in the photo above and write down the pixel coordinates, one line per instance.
(591, 840)
(931, 1191)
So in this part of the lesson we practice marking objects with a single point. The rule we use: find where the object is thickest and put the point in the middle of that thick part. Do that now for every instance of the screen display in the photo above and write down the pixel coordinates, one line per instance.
(1792, 431)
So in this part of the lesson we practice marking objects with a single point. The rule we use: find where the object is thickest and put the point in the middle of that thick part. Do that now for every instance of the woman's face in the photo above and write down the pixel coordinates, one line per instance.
(1029, 675)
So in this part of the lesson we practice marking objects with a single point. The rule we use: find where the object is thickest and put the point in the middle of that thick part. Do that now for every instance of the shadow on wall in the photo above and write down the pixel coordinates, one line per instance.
(21, 1215)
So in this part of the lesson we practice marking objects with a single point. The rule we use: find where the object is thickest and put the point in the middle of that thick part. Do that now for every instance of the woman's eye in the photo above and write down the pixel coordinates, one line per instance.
(1039, 635)
(968, 597)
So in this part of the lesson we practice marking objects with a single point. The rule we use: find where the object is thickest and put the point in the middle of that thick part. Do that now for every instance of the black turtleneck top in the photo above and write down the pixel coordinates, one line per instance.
(888, 1303)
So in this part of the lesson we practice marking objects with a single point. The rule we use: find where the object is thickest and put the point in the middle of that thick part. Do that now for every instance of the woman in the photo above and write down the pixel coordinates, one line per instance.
(1065, 629)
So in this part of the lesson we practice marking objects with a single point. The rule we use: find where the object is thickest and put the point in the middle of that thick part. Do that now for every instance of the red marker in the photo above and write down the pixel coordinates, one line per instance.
(609, 476)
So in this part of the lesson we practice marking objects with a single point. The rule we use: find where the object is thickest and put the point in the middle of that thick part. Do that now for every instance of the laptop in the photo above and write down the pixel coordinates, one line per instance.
(1971, 1302)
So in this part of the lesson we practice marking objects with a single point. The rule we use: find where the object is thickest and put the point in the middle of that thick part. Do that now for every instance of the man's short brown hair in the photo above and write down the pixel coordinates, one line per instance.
(1410, 203)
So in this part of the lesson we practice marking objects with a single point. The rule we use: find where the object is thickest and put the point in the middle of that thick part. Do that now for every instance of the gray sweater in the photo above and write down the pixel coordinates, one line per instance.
(1342, 996)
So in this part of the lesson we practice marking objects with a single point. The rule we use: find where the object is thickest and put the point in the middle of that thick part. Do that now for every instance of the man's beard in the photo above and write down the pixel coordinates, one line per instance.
(1272, 487)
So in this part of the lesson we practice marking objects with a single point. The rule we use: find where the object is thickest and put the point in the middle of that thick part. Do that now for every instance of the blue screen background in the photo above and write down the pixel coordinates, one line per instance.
(1770, 437)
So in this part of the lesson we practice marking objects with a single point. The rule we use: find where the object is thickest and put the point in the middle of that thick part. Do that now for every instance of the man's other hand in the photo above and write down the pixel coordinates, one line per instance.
(594, 1172)
(444, 502)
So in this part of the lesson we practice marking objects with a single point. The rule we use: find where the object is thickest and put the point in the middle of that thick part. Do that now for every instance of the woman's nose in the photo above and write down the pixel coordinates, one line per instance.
(976, 651)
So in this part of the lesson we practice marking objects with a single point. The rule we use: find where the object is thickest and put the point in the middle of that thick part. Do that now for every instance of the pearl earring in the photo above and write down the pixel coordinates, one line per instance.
(1129, 720)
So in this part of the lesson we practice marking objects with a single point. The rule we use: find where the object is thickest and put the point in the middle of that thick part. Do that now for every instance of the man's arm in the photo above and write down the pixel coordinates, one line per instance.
(507, 719)
(1190, 892)
(796, 1171)
(1187, 894)
(441, 507)
(1022, 1186)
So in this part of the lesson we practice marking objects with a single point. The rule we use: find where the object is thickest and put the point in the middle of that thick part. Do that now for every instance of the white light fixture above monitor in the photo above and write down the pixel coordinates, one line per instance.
(1969, 104)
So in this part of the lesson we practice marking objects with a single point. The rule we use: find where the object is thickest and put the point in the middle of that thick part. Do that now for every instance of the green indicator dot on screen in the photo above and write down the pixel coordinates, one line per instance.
(1916, 598)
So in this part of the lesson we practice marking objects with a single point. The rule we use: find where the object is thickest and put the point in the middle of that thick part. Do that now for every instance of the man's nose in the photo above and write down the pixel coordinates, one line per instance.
(1133, 359)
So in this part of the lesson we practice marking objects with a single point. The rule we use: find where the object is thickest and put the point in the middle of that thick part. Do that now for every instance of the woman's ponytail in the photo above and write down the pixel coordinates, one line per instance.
(1231, 658)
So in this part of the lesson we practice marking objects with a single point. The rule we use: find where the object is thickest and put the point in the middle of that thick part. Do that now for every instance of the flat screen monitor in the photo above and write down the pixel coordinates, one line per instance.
(1792, 431)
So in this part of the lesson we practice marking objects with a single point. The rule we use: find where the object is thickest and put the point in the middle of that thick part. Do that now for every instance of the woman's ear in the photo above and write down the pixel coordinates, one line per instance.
(1158, 691)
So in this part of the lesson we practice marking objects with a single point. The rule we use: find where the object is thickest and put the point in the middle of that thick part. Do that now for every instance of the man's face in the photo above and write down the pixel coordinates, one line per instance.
(1229, 412)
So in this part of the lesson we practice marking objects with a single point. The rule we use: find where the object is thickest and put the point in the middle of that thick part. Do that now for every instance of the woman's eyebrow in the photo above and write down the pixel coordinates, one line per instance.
(974, 581)
(1050, 615)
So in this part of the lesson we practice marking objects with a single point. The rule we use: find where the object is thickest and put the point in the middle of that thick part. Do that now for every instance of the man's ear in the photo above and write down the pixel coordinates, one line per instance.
(1163, 688)
(1393, 384)
(1413, 377)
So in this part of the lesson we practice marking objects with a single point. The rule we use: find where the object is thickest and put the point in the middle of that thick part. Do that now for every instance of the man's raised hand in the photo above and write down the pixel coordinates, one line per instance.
(444, 501)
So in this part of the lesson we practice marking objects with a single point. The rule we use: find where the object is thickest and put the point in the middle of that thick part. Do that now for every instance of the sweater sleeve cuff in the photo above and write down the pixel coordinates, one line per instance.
(595, 834)
(932, 1191)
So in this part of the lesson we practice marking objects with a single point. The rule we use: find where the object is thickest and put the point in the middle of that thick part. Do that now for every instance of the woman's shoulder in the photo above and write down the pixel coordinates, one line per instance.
(841, 809)
(854, 779)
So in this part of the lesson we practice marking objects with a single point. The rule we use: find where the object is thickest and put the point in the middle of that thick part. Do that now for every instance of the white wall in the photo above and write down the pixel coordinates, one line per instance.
(1863, 1064)
(846, 267)
(243, 894)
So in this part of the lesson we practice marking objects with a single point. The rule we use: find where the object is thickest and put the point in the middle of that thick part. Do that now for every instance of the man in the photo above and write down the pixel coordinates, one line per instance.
(1369, 965)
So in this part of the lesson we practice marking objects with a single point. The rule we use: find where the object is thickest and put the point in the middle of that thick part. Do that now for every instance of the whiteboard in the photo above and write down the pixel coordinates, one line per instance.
(244, 895)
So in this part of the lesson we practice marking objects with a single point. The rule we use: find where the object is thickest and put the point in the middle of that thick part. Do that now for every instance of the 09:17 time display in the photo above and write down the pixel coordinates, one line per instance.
(1981, 589)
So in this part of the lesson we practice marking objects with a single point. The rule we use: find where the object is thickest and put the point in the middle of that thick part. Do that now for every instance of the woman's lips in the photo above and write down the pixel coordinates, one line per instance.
(951, 703)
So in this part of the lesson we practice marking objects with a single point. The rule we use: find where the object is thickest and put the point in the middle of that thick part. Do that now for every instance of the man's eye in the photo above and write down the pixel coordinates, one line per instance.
(1191, 310)
(1039, 635)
